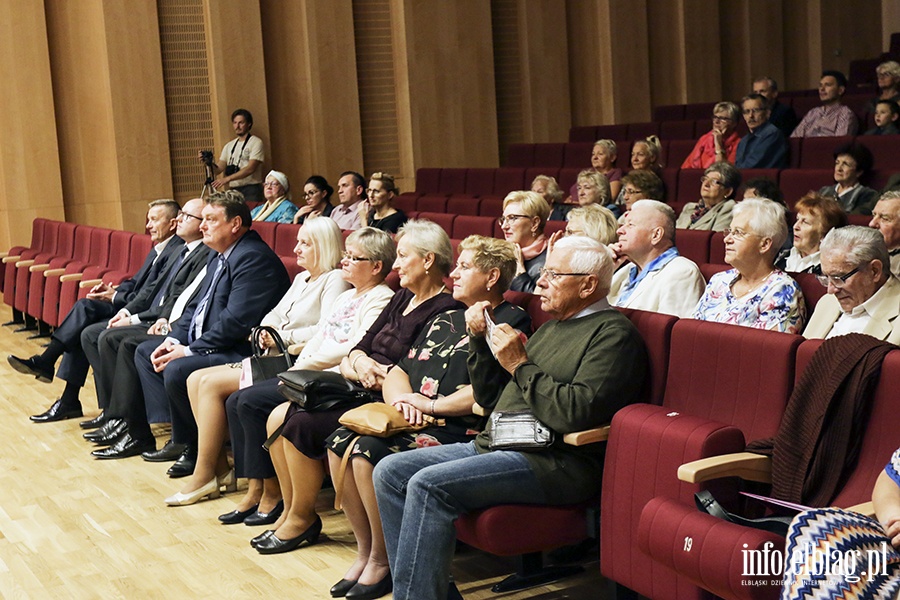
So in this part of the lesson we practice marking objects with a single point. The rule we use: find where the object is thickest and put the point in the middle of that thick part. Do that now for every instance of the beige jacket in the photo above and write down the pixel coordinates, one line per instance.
(883, 325)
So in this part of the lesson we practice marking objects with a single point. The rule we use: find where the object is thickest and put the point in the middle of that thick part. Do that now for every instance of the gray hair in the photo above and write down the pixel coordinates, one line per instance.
(587, 255)
(553, 189)
(377, 245)
(428, 237)
(599, 181)
(858, 245)
(891, 195)
(734, 111)
(610, 146)
(169, 205)
(598, 221)
(891, 67)
(667, 213)
(767, 218)
(731, 177)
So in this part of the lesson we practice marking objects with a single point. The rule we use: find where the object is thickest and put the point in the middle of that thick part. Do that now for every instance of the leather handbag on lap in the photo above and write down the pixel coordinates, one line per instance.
(262, 366)
(320, 390)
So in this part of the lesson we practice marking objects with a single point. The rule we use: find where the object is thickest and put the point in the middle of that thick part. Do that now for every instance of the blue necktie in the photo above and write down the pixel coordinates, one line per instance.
(164, 288)
(196, 329)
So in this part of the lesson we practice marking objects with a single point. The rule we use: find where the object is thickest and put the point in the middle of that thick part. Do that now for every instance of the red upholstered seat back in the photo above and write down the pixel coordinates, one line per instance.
(532, 305)
(266, 231)
(286, 239)
(693, 244)
(656, 331)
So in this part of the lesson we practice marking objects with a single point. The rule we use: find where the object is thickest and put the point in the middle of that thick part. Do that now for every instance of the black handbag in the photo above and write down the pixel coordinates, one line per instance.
(264, 366)
(321, 390)
(777, 524)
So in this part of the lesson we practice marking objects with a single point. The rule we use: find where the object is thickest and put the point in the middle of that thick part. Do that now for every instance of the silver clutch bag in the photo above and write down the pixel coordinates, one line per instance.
(518, 430)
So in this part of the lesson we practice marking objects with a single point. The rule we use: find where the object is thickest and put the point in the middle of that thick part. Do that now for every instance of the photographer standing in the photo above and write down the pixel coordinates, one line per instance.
(238, 167)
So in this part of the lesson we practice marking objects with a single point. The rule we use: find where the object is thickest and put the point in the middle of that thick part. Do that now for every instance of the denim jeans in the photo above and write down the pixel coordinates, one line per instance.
(420, 495)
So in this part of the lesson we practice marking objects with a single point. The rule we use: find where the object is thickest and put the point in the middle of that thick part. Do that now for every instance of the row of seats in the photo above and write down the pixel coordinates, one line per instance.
(690, 121)
(805, 153)
(471, 192)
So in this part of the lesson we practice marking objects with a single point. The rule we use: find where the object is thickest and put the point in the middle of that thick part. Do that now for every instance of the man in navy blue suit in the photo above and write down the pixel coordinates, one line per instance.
(244, 280)
(102, 303)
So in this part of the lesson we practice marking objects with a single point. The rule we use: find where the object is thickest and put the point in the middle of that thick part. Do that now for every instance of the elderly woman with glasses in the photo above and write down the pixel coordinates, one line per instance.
(318, 199)
(641, 184)
(720, 143)
(278, 207)
(524, 217)
(713, 211)
(754, 293)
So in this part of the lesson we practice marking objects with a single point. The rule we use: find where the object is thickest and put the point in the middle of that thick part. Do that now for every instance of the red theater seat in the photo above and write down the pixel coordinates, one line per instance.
(699, 110)
(818, 152)
(583, 134)
(796, 183)
(612, 132)
(266, 231)
(548, 155)
(884, 149)
(693, 244)
(464, 226)
(463, 204)
(578, 155)
(97, 253)
(453, 181)
(432, 203)
(479, 181)
(507, 180)
(678, 151)
(443, 219)
(670, 112)
(678, 130)
(427, 180)
(640, 131)
(520, 155)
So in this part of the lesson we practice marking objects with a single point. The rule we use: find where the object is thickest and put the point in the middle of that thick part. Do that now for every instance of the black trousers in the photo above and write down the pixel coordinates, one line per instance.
(248, 409)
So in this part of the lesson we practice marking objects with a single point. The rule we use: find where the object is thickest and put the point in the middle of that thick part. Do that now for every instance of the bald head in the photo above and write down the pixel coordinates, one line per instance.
(647, 231)
(189, 220)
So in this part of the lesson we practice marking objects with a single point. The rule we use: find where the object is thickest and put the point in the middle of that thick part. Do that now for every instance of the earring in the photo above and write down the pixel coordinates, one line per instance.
(488, 288)
(426, 272)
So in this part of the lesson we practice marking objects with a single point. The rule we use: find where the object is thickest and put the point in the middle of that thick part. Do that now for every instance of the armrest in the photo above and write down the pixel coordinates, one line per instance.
(72, 277)
(4, 254)
(9, 259)
(746, 465)
(588, 436)
(39, 268)
(866, 508)
(54, 272)
(24, 263)
(295, 349)
(90, 283)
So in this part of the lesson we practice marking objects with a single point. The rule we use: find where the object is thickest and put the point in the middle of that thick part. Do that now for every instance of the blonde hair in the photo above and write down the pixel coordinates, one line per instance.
(492, 253)
(598, 222)
(387, 182)
(533, 205)
(326, 238)
(553, 189)
(599, 181)
(428, 237)
(654, 146)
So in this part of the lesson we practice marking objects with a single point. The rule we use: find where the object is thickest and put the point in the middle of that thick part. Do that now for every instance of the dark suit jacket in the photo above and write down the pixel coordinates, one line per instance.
(253, 281)
(784, 118)
(187, 271)
(151, 275)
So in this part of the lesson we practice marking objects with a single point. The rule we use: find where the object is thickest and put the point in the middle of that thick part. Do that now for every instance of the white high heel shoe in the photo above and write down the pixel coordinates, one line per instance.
(210, 489)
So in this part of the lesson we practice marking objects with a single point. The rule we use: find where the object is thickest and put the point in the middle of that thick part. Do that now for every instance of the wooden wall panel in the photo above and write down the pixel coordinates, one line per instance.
(30, 184)
(752, 42)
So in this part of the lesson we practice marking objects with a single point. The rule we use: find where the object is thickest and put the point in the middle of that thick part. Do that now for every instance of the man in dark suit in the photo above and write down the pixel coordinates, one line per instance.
(244, 280)
(102, 303)
(101, 341)
(781, 115)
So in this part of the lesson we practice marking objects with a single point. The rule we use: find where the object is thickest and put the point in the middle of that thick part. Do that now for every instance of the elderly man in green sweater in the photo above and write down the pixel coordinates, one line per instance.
(573, 374)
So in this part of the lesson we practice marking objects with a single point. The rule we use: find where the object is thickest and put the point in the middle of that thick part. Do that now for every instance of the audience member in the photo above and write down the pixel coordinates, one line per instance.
(713, 211)
(863, 296)
(658, 279)
(433, 380)
(244, 281)
(886, 219)
(645, 154)
(574, 373)
(886, 114)
(352, 195)
(832, 118)
(550, 191)
(103, 302)
(888, 74)
(852, 161)
(765, 147)
(641, 184)
(593, 188)
(318, 199)
(763, 187)
(240, 162)
(424, 256)
(593, 221)
(603, 161)
(754, 293)
(382, 214)
(524, 217)
(816, 216)
(781, 115)
(720, 143)
(278, 207)
(368, 259)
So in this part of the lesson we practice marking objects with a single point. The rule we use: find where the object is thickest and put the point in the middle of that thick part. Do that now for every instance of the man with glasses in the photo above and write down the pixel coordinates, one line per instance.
(863, 296)
(781, 115)
(719, 143)
(101, 304)
(658, 279)
(886, 219)
(765, 147)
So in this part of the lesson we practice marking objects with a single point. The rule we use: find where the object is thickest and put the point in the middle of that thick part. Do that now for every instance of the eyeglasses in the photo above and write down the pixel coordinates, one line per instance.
(510, 219)
(837, 281)
(185, 216)
(753, 111)
(312, 193)
(718, 119)
(551, 276)
(738, 234)
(709, 180)
(354, 259)
(271, 184)
(631, 191)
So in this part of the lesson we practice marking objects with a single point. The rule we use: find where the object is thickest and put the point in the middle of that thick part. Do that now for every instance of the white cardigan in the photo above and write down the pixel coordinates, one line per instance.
(674, 290)
(297, 313)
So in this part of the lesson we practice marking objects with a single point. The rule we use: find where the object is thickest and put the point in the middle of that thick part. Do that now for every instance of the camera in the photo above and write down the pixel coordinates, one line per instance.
(207, 157)
(231, 170)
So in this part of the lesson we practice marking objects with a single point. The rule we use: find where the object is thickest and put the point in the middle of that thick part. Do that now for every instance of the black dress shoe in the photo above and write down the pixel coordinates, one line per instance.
(171, 451)
(108, 433)
(273, 545)
(256, 540)
(185, 464)
(340, 589)
(32, 366)
(58, 412)
(124, 447)
(237, 516)
(370, 592)
(265, 518)
(94, 423)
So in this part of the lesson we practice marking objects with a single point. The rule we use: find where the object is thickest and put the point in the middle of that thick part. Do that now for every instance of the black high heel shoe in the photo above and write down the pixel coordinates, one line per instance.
(256, 540)
(274, 545)
(340, 589)
(237, 516)
(261, 518)
(371, 592)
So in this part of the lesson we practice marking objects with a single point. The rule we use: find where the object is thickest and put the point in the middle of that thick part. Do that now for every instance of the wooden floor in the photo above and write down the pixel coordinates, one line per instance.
(75, 527)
